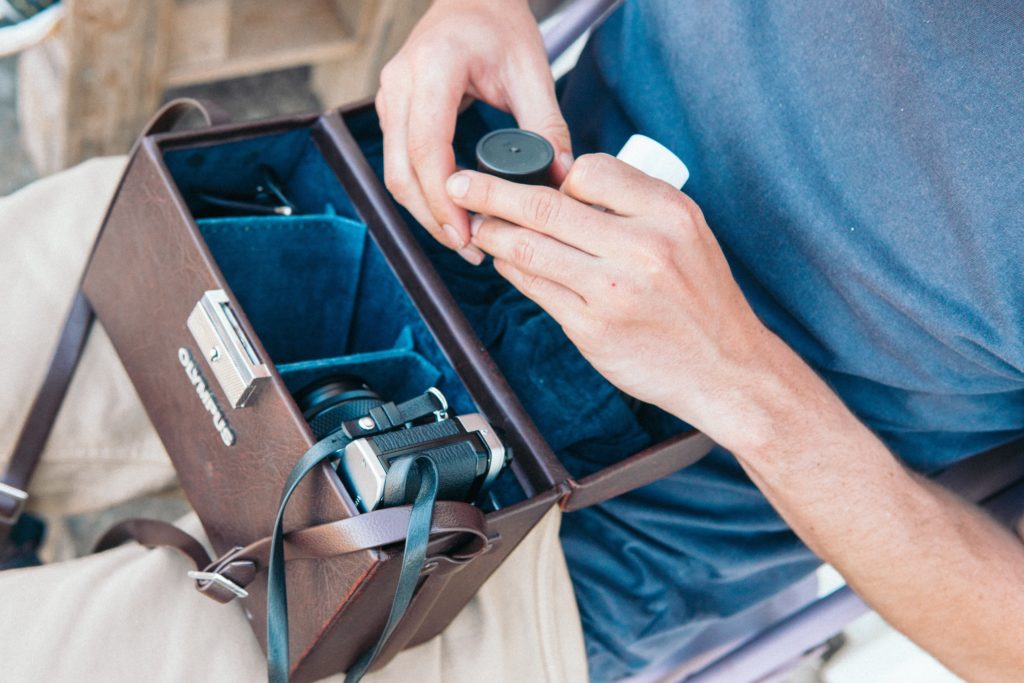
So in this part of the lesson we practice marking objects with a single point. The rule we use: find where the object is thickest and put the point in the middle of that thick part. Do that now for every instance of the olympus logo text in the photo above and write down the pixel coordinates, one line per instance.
(209, 401)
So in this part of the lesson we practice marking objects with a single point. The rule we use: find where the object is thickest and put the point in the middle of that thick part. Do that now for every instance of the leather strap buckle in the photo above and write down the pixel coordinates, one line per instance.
(225, 578)
(10, 513)
(204, 579)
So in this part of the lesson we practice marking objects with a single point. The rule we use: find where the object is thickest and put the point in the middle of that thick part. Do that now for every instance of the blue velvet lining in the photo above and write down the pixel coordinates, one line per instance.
(321, 296)
(297, 295)
(309, 283)
(397, 374)
(237, 168)
(585, 419)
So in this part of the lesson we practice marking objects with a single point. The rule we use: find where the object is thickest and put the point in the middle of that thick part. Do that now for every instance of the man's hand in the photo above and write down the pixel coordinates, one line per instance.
(648, 297)
(643, 290)
(488, 50)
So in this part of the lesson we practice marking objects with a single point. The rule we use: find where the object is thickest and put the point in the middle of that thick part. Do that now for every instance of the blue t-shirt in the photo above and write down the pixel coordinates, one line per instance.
(863, 167)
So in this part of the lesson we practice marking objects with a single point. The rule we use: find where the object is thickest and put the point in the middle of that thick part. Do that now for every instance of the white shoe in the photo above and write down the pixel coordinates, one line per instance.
(24, 23)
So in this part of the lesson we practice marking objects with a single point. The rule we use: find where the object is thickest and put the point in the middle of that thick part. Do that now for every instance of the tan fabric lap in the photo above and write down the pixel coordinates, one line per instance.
(102, 450)
(131, 614)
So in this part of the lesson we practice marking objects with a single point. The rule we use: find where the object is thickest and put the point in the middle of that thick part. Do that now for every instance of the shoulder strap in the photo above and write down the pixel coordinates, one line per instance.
(36, 430)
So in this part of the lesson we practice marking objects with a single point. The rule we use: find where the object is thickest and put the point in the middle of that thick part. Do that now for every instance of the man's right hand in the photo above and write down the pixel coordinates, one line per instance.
(489, 50)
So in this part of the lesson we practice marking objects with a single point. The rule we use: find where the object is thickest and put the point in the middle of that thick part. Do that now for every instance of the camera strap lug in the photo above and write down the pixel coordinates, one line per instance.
(391, 415)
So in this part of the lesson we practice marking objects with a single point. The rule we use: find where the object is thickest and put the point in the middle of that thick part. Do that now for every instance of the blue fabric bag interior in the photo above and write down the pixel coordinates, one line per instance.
(323, 299)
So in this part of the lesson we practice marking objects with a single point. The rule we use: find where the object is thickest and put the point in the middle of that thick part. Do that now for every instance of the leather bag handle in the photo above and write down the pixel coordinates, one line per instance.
(170, 115)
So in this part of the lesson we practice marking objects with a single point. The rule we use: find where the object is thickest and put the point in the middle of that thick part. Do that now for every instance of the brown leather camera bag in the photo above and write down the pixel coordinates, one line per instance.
(151, 268)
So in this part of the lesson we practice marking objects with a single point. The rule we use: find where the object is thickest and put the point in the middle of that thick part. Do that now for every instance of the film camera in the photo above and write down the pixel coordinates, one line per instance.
(376, 468)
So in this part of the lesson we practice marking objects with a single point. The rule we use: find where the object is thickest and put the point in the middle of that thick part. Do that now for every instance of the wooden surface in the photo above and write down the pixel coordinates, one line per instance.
(89, 90)
(335, 81)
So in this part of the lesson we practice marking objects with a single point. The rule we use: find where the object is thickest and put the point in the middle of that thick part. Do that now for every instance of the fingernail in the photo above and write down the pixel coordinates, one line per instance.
(458, 184)
(474, 224)
(453, 236)
(565, 159)
(472, 254)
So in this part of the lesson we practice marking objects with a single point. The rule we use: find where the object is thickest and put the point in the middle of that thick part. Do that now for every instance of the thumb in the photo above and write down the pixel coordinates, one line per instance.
(536, 109)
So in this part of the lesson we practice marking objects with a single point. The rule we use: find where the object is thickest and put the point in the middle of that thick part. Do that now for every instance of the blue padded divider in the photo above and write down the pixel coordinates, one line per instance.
(316, 287)
(293, 276)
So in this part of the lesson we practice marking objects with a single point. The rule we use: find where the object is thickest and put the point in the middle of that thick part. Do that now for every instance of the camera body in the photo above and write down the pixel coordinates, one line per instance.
(375, 469)
(465, 449)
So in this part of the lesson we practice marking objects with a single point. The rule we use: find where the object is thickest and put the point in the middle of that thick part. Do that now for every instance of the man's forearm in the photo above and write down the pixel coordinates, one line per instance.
(933, 565)
(632, 284)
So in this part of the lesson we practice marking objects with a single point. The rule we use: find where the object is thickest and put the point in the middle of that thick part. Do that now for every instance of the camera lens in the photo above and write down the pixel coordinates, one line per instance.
(329, 402)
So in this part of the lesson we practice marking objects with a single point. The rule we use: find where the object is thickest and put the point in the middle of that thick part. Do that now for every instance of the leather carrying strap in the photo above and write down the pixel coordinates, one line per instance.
(241, 565)
(35, 432)
(43, 413)
(170, 116)
(226, 578)
(417, 532)
(414, 556)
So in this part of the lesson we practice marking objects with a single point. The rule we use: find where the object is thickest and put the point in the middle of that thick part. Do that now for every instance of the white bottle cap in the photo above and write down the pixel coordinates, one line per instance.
(654, 159)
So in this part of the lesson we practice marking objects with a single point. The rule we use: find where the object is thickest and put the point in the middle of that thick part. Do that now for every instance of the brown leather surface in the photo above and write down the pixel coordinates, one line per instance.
(149, 269)
(368, 531)
(638, 470)
(28, 448)
(153, 533)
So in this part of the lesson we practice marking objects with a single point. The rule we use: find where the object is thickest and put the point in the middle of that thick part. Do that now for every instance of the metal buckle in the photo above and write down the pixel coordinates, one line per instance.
(221, 580)
(442, 413)
(19, 496)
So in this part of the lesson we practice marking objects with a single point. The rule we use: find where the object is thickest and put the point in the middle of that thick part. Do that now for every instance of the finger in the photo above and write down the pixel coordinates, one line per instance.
(543, 209)
(561, 304)
(535, 107)
(399, 178)
(535, 254)
(603, 180)
(431, 128)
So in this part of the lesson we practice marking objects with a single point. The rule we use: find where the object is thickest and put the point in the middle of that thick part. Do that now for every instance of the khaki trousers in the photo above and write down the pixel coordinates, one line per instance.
(131, 614)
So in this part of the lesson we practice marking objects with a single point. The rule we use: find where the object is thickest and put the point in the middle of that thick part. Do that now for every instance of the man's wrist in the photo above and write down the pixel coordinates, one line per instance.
(772, 402)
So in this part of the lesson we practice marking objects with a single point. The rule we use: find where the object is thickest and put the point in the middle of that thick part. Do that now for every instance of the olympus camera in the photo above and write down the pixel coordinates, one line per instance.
(376, 468)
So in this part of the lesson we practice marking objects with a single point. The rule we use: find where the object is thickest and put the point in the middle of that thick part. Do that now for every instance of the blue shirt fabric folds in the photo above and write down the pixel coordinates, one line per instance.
(861, 164)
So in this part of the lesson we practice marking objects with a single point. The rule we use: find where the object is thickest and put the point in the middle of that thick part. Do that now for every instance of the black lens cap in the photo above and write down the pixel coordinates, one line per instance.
(515, 154)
